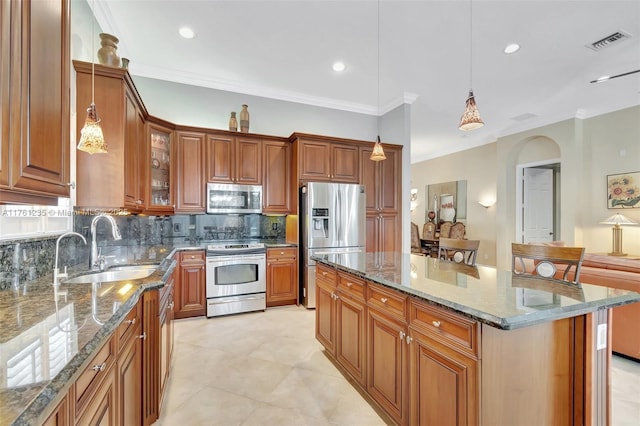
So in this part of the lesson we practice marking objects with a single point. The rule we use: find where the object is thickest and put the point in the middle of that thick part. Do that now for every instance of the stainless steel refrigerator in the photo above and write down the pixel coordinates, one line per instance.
(332, 220)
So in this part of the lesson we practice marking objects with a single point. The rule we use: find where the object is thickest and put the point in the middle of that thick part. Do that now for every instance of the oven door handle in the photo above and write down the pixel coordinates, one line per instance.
(238, 257)
(217, 302)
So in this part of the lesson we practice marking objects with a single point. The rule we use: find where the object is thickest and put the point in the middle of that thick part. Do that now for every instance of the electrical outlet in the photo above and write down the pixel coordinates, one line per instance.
(176, 227)
(274, 226)
(85, 231)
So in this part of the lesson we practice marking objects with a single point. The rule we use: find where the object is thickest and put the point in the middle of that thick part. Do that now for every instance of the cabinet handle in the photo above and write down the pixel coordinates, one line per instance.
(324, 274)
(170, 305)
(100, 367)
(143, 336)
(193, 257)
(402, 334)
(435, 323)
(409, 340)
(131, 321)
(349, 284)
(281, 252)
(384, 299)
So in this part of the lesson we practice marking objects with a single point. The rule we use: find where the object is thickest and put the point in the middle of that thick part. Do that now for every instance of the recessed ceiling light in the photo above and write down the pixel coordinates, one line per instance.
(339, 66)
(511, 48)
(186, 32)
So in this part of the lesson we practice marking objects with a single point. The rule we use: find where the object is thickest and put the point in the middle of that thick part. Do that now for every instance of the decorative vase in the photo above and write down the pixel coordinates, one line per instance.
(431, 215)
(244, 119)
(107, 54)
(233, 122)
(125, 63)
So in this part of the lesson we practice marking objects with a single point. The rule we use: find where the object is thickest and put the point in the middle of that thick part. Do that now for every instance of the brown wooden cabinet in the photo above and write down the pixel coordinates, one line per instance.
(159, 180)
(190, 299)
(130, 377)
(34, 95)
(166, 333)
(190, 178)
(150, 357)
(351, 327)
(326, 284)
(102, 407)
(60, 415)
(120, 174)
(321, 160)
(234, 159)
(282, 276)
(382, 193)
(277, 187)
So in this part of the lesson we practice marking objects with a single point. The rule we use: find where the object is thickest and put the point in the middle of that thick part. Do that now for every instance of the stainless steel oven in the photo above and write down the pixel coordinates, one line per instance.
(236, 278)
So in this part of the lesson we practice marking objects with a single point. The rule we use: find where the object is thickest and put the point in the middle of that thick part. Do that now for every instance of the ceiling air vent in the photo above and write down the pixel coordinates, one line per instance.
(609, 40)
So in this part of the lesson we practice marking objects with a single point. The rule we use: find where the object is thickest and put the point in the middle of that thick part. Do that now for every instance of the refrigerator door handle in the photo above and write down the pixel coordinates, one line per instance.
(338, 217)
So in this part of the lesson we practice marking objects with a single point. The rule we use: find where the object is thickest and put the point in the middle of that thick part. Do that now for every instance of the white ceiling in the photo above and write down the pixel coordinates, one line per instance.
(285, 49)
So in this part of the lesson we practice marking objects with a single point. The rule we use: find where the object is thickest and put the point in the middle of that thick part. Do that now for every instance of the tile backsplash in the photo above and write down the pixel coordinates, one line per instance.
(27, 259)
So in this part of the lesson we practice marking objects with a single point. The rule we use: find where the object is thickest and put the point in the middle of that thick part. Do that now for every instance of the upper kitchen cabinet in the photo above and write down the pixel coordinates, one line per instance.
(322, 159)
(190, 169)
(34, 90)
(120, 174)
(277, 185)
(160, 154)
(234, 159)
(381, 180)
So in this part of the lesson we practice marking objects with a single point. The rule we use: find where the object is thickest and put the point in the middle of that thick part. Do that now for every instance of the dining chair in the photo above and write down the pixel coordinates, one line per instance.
(458, 251)
(445, 229)
(561, 263)
(458, 230)
(429, 242)
(416, 247)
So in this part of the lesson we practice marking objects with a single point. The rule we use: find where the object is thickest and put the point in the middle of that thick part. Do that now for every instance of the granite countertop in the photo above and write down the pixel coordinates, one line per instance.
(486, 294)
(36, 330)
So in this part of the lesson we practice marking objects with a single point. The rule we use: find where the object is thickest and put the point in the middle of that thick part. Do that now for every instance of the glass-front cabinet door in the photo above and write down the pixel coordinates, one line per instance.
(160, 188)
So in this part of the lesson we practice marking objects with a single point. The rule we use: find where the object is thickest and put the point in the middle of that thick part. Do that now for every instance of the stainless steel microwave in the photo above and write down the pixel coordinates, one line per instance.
(230, 198)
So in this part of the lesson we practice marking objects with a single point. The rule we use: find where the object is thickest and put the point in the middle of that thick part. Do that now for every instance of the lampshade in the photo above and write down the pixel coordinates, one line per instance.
(471, 118)
(618, 219)
(378, 152)
(91, 137)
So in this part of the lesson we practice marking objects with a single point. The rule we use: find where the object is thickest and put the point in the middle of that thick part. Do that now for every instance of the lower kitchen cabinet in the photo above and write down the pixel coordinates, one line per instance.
(130, 380)
(60, 415)
(387, 364)
(350, 335)
(326, 307)
(189, 296)
(101, 407)
(166, 333)
(282, 276)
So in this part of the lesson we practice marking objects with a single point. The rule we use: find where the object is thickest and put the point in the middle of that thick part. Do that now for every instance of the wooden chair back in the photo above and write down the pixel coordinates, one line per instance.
(445, 229)
(457, 231)
(429, 231)
(415, 239)
(562, 263)
(459, 251)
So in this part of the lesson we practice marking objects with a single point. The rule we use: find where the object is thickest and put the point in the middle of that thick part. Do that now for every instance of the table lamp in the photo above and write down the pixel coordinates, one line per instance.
(617, 220)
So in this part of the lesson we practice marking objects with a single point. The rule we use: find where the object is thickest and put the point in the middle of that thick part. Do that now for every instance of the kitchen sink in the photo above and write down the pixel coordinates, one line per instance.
(120, 273)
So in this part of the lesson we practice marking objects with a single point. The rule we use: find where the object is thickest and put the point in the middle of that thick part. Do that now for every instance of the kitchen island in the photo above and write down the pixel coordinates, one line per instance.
(438, 343)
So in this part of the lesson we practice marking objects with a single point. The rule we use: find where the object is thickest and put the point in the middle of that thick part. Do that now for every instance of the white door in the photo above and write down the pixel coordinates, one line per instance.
(537, 205)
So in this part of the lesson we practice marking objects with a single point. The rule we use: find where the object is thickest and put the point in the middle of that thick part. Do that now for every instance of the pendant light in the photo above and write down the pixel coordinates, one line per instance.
(378, 153)
(471, 118)
(91, 137)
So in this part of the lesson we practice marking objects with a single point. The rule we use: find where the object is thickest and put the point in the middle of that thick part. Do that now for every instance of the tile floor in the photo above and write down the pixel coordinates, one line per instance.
(266, 368)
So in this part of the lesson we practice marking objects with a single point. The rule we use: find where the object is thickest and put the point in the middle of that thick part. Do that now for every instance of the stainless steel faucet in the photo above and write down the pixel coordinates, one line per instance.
(96, 261)
(56, 274)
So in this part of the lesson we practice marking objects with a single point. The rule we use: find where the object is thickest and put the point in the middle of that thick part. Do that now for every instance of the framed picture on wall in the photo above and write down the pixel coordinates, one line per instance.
(623, 191)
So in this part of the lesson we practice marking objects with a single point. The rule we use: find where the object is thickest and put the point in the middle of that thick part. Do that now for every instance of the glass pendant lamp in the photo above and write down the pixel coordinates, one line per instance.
(471, 117)
(378, 152)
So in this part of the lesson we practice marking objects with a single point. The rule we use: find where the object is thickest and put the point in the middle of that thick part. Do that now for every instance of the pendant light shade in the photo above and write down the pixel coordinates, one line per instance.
(378, 152)
(91, 137)
(471, 118)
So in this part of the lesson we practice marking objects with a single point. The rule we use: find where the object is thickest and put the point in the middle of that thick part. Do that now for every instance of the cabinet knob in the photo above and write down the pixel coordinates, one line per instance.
(281, 252)
(402, 334)
(349, 284)
(324, 274)
(143, 336)
(384, 299)
(435, 323)
(131, 321)
(100, 367)
(409, 340)
(193, 257)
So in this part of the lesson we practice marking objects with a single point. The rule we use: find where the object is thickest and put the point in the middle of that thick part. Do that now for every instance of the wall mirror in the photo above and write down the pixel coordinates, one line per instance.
(446, 202)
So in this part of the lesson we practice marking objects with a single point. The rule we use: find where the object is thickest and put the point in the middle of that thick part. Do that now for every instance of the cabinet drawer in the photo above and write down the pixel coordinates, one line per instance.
(452, 329)
(93, 374)
(351, 285)
(192, 256)
(129, 325)
(281, 253)
(325, 273)
(389, 301)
